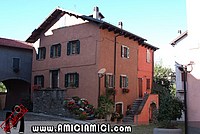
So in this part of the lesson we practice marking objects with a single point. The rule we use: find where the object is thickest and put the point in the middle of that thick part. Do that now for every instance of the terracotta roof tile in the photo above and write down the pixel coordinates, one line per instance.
(15, 43)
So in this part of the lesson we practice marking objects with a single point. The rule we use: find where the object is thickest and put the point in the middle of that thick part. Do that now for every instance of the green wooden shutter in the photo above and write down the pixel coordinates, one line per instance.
(126, 81)
(51, 54)
(113, 80)
(35, 80)
(68, 48)
(122, 51)
(128, 52)
(59, 50)
(66, 80)
(76, 79)
(78, 47)
(44, 54)
(120, 82)
(106, 80)
(42, 81)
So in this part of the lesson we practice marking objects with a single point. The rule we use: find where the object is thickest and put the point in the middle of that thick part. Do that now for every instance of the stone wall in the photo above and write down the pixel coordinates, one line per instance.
(49, 101)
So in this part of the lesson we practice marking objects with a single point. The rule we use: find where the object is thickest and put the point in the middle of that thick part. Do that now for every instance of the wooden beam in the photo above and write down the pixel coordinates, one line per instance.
(126, 35)
(110, 29)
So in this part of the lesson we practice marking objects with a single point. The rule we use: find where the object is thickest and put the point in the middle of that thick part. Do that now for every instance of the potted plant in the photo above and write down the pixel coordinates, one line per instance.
(169, 111)
(119, 118)
(115, 116)
(106, 104)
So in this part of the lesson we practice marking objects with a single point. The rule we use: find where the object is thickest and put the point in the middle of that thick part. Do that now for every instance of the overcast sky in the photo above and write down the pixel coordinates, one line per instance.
(156, 20)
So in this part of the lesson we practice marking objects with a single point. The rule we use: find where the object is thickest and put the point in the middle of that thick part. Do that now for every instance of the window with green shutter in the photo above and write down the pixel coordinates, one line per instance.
(72, 80)
(55, 51)
(123, 81)
(41, 53)
(109, 81)
(73, 47)
(124, 51)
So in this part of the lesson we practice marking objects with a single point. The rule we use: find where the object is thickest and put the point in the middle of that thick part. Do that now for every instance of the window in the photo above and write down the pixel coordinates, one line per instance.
(41, 53)
(39, 80)
(71, 80)
(73, 47)
(148, 59)
(148, 84)
(54, 75)
(125, 52)
(16, 65)
(109, 81)
(55, 51)
(123, 81)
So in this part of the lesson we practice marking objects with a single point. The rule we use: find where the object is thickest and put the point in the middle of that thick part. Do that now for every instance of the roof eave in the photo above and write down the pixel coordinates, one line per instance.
(179, 38)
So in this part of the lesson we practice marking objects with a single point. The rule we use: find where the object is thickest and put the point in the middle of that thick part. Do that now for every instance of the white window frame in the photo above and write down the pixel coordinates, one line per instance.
(122, 106)
(148, 56)
(123, 52)
(121, 82)
(108, 85)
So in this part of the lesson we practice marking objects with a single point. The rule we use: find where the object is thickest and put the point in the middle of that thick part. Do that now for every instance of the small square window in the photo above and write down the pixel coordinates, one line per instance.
(55, 51)
(109, 81)
(124, 81)
(72, 80)
(39, 80)
(125, 52)
(73, 47)
(41, 53)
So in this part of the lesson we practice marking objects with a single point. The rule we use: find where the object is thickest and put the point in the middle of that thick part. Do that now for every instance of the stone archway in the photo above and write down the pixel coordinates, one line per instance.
(152, 110)
(17, 92)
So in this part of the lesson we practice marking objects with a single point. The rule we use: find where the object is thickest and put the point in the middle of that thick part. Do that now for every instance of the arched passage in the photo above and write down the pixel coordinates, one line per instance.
(17, 91)
(152, 110)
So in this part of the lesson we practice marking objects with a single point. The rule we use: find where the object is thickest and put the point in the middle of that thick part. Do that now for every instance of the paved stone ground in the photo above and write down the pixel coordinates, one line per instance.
(38, 119)
(42, 119)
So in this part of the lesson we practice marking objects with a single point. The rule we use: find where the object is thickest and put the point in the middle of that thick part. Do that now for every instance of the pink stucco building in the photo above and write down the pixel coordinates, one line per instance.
(72, 48)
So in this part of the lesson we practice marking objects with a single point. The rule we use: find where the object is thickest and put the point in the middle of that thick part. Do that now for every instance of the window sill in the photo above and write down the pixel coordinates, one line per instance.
(55, 57)
(73, 54)
(40, 59)
(124, 87)
(125, 58)
(71, 87)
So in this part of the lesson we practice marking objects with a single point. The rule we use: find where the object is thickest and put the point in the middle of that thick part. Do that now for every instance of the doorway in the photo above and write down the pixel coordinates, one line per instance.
(140, 87)
(119, 107)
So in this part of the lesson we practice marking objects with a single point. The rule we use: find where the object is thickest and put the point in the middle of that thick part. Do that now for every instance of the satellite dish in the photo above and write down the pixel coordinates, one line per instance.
(101, 72)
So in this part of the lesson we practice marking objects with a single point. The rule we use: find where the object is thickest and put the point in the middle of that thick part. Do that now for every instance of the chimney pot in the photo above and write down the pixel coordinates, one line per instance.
(120, 25)
(96, 13)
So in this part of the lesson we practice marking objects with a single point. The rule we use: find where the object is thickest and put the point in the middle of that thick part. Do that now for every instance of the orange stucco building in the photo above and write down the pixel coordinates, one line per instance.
(72, 48)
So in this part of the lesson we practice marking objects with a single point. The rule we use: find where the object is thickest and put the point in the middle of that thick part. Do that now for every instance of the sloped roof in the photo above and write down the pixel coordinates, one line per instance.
(15, 43)
(179, 38)
(58, 13)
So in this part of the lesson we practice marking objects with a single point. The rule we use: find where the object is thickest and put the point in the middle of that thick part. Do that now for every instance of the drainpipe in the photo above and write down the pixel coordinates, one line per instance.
(185, 99)
(115, 61)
